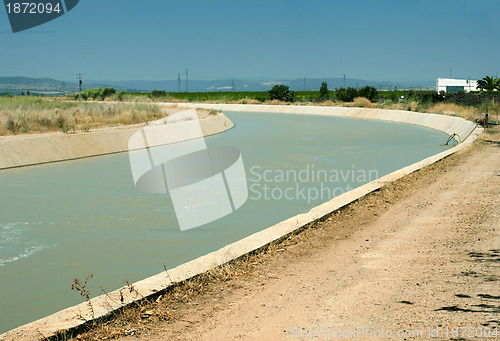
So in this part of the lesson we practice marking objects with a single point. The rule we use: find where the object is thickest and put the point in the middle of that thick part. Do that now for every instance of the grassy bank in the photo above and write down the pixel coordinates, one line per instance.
(24, 115)
(28, 114)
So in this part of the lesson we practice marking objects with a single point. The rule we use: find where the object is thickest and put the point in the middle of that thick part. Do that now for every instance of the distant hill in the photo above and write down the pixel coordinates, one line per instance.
(15, 85)
(48, 86)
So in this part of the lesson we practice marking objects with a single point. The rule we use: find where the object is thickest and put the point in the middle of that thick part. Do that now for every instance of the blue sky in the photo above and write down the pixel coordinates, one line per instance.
(156, 39)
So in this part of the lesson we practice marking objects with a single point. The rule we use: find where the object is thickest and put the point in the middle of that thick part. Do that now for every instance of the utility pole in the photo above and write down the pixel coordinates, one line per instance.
(187, 89)
(305, 87)
(79, 77)
(450, 71)
(178, 82)
(232, 85)
(344, 80)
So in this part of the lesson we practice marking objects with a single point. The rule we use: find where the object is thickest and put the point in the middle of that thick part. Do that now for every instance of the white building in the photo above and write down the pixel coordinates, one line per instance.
(455, 85)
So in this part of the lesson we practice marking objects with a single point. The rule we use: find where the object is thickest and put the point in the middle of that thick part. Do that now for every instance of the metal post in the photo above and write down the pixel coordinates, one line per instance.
(79, 77)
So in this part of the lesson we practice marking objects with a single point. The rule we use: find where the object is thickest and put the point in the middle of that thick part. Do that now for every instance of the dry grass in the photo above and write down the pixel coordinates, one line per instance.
(246, 101)
(25, 115)
(468, 113)
(276, 102)
(362, 102)
(329, 103)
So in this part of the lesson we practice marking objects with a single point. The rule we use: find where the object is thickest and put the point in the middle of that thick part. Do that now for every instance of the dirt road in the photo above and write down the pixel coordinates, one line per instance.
(420, 256)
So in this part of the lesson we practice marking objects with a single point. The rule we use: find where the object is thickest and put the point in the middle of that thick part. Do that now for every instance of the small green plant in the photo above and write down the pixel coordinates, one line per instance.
(66, 129)
(213, 112)
(132, 289)
(281, 92)
(61, 121)
(81, 287)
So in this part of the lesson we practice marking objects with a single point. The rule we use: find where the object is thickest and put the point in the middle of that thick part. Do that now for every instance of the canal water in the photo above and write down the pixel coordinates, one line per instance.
(67, 220)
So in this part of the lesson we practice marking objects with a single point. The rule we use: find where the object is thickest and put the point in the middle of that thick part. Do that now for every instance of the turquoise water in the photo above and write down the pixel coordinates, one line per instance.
(67, 220)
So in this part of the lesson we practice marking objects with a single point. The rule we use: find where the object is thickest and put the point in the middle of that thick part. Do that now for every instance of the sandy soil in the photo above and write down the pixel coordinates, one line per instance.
(420, 254)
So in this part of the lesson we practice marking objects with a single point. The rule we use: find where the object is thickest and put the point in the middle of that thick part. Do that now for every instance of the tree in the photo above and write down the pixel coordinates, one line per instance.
(323, 92)
(489, 84)
(282, 93)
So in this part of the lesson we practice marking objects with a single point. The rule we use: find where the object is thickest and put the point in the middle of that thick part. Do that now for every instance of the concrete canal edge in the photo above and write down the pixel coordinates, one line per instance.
(104, 305)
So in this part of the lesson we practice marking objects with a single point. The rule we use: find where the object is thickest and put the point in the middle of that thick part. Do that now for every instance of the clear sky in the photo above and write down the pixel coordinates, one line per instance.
(156, 39)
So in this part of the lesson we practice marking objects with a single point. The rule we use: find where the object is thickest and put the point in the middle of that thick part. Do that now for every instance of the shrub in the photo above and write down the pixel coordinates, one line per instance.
(423, 97)
(121, 94)
(88, 93)
(84, 95)
(158, 93)
(97, 93)
(282, 93)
